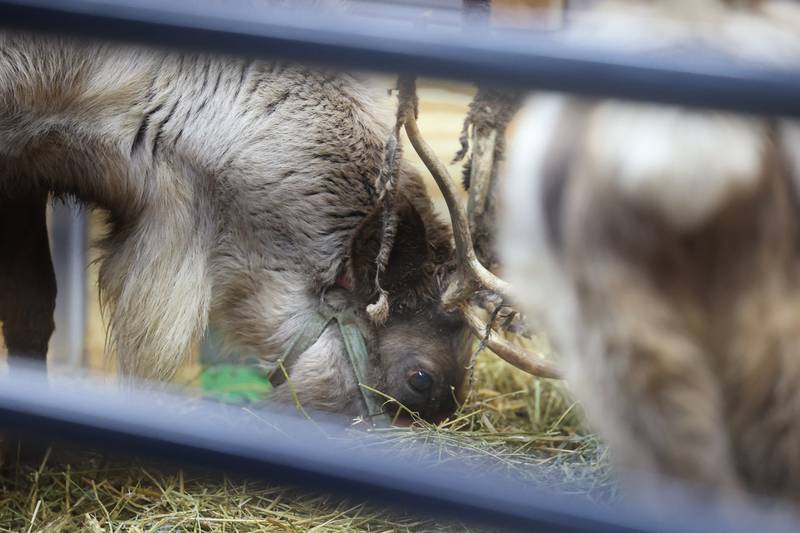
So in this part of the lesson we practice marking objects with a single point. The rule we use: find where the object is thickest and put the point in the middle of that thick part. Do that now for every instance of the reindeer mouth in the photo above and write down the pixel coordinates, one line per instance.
(402, 416)
(402, 420)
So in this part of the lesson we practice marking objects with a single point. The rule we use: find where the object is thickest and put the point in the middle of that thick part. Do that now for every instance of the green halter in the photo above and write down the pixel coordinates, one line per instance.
(355, 347)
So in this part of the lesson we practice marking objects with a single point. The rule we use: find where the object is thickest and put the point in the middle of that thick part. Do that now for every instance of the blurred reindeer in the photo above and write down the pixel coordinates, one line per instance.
(661, 246)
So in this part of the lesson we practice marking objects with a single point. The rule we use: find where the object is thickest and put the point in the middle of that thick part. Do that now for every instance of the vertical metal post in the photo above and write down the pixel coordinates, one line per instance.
(68, 235)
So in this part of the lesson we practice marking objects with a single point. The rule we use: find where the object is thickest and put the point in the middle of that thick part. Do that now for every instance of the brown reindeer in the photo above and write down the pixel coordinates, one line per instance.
(242, 193)
(661, 246)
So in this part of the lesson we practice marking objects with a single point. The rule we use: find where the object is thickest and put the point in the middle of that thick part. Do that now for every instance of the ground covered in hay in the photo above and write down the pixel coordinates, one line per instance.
(512, 422)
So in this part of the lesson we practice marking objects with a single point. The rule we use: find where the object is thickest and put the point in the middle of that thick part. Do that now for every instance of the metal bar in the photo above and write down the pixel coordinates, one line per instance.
(68, 230)
(692, 77)
(278, 448)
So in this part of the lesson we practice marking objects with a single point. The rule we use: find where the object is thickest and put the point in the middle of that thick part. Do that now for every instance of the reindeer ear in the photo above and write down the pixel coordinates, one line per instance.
(404, 270)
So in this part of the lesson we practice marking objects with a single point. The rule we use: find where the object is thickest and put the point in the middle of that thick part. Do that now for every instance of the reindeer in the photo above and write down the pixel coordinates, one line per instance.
(660, 246)
(243, 193)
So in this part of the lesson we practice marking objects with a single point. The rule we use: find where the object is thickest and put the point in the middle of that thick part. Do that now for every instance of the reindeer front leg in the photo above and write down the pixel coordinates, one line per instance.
(27, 295)
(27, 279)
(154, 280)
(649, 383)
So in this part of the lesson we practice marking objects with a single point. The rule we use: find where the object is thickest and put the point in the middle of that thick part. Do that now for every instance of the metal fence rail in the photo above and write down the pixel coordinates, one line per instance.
(693, 77)
(278, 448)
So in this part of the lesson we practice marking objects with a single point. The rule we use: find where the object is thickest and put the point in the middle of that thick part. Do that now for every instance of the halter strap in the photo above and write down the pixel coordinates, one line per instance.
(356, 349)
(302, 341)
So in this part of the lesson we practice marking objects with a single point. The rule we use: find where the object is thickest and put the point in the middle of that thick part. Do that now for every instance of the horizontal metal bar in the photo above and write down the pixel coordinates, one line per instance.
(692, 77)
(278, 448)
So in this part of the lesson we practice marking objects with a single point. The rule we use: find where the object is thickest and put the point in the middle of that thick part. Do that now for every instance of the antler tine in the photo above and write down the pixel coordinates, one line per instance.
(474, 274)
(489, 114)
(480, 179)
(511, 354)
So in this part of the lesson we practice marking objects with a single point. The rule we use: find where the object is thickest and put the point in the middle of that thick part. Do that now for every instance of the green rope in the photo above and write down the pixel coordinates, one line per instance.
(359, 361)
(302, 341)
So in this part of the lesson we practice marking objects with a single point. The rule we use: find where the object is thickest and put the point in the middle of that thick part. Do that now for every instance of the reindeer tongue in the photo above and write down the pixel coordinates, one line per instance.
(402, 421)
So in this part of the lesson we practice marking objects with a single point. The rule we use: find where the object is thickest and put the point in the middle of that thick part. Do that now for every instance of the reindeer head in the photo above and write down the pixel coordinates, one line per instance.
(419, 350)
(468, 275)
(428, 288)
(422, 285)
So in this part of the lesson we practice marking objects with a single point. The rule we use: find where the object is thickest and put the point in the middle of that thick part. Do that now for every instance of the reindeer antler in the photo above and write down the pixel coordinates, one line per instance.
(475, 275)
(470, 275)
(489, 113)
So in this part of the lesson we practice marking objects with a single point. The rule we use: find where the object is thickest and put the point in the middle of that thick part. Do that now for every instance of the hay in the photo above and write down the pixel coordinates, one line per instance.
(121, 496)
(512, 423)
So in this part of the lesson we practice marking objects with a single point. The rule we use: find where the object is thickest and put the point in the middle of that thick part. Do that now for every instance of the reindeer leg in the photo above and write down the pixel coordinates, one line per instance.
(27, 279)
(154, 278)
(649, 383)
(27, 295)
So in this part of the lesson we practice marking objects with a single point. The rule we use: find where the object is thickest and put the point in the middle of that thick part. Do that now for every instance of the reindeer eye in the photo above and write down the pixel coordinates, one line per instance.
(420, 381)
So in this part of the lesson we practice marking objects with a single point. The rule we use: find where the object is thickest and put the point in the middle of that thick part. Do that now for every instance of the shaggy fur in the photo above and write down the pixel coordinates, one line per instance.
(236, 190)
(662, 248)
